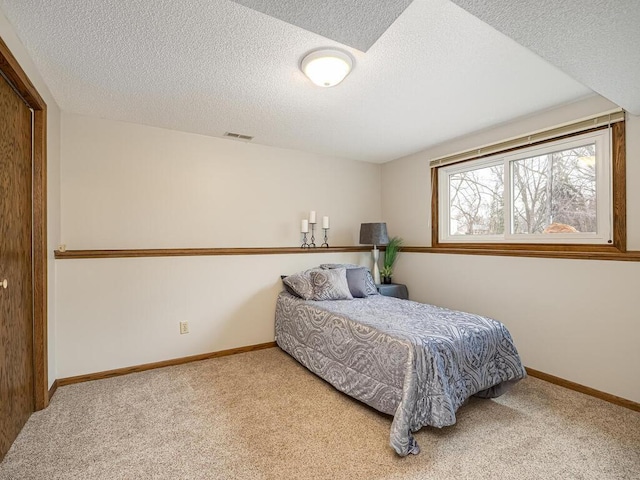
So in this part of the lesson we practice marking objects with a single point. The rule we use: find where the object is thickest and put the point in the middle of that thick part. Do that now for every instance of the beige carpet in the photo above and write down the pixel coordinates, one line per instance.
(261, 415)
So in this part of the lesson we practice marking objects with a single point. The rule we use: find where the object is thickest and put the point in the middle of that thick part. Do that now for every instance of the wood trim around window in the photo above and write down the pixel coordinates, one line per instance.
(619, 178)
(628, 256)
(615, 251)
(12, 71)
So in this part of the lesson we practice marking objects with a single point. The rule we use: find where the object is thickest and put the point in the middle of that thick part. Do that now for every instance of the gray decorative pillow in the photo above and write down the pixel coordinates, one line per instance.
(287, 287)
(301, 284)
(357, 281)
(369, 283)
(330, 285)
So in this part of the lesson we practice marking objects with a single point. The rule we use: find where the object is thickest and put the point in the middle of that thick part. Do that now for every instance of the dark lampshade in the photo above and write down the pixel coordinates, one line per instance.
(373, 234)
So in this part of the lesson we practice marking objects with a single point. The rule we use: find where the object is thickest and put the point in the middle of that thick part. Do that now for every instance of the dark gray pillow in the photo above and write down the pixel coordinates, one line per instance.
(287, 287)
(370, 284)
(330, 285)
(357, 281)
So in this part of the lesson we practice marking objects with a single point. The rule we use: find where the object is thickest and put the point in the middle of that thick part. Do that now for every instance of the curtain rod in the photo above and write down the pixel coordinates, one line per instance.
(587, 123)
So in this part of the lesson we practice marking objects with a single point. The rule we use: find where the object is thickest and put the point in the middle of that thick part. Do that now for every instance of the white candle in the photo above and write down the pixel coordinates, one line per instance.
(304, 226)
(312, 216)
(325, 222)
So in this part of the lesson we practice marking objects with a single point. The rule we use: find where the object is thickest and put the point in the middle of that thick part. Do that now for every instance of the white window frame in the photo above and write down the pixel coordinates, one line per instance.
(604, 195)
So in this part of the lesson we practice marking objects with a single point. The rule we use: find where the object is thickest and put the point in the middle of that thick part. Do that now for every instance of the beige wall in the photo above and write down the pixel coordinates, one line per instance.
(133, 186)
(120, 312)
(53, 178)
(571, 318)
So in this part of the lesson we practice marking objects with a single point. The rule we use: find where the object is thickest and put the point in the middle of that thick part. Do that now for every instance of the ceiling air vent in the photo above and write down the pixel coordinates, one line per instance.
(238, 136)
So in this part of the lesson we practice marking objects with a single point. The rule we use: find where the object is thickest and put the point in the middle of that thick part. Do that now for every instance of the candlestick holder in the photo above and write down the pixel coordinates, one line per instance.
(304, 241)
(325, 244)
(313, 233)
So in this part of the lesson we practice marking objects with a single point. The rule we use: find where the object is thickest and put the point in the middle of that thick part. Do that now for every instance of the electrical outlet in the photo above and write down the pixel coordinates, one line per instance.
(184, 328)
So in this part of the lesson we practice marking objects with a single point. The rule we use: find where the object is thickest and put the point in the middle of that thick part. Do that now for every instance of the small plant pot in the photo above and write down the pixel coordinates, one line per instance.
(386, 280)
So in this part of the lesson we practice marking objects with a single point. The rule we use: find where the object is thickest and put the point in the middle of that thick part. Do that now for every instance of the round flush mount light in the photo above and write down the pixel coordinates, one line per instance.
(326, 68)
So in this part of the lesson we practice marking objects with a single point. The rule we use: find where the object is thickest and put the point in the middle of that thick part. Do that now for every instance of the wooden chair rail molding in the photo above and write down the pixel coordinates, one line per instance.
(194, 252)
(555, 251)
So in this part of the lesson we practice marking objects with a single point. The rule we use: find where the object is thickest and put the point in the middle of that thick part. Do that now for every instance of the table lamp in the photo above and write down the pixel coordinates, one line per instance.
(374, 234)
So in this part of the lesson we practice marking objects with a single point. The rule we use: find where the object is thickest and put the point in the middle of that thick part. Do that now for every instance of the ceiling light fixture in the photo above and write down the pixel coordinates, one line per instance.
(326, 68)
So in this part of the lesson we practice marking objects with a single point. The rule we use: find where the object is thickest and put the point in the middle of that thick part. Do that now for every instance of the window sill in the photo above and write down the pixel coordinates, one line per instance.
(578, 252)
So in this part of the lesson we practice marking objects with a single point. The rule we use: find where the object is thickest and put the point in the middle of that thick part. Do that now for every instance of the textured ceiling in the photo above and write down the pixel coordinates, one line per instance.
(355, 23)
(597, 42)
(209, 67)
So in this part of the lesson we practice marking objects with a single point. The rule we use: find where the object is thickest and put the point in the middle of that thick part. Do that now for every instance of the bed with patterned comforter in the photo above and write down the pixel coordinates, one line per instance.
(414, 361)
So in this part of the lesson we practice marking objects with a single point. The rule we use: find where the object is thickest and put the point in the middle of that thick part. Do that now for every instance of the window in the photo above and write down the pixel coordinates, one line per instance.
(557, 192)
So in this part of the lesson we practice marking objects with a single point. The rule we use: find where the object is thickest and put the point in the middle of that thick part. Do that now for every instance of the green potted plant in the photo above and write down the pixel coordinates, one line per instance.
(385, 274)
(390, 254)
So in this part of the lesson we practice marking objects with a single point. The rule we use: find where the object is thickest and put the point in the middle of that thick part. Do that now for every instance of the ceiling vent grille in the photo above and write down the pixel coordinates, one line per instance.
(238, 136)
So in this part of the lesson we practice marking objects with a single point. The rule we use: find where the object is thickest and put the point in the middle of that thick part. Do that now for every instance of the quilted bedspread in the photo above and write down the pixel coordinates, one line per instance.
(414, 361)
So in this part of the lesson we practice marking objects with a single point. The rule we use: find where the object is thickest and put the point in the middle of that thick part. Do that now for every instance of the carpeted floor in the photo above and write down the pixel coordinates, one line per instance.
(260, 415)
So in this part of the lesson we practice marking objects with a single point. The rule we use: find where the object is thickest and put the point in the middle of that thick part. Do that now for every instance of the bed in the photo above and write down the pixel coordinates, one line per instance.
(416, 362)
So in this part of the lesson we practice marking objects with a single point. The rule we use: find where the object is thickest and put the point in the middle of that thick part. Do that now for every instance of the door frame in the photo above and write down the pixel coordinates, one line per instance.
(12, 71)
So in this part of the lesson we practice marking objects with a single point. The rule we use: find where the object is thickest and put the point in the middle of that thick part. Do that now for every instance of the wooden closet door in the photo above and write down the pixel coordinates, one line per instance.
(16, 267)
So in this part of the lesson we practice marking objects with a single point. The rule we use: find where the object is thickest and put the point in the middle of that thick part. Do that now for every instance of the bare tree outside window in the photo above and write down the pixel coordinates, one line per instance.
(476, 202)
(556, 188)
(554, 192)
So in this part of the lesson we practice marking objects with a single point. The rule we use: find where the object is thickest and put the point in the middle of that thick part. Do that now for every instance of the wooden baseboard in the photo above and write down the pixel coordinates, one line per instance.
(165, 363)
(623, 402)
(53, 389)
